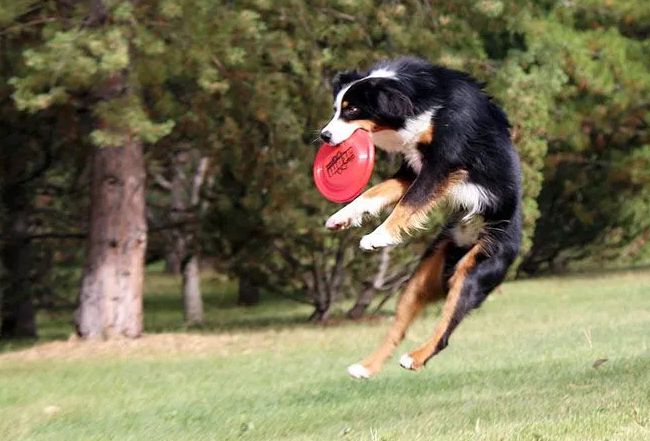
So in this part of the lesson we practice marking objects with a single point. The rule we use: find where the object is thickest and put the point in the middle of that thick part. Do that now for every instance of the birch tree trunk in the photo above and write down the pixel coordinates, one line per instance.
(185, 201)
(110, 300)
(192, 300)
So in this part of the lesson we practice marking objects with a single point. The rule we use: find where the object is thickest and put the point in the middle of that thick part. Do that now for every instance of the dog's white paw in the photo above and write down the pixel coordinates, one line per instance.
(352, 214)
(359, 371)
(406, 361)
(343, 219)
(377, 239)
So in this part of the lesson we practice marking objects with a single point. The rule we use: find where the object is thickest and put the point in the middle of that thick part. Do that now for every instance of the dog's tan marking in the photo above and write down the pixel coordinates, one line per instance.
(344, 104)
(424, 286)
(392, 190)
(427, 136)
(369, 125)
(365, 124)
(407, 217)
(420, 356)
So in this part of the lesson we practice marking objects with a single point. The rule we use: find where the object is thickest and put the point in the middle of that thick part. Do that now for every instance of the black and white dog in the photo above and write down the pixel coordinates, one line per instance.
(457, 150)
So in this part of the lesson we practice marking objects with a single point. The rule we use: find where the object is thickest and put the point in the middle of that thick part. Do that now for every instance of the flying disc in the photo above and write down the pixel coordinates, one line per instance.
(341, 172)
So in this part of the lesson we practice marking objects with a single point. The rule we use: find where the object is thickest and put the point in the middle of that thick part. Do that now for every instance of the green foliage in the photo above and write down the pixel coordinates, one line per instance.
(74, 63)
(592, 197)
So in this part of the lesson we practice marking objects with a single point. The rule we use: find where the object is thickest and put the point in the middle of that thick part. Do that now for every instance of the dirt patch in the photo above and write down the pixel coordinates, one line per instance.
(197, 344)
(150, 345)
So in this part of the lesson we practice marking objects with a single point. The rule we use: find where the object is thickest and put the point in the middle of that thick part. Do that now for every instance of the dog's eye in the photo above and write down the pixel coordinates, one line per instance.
(352, 110)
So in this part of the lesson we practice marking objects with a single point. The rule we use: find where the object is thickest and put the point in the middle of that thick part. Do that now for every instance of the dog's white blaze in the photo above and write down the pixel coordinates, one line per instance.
(470, 197)
(340, 129)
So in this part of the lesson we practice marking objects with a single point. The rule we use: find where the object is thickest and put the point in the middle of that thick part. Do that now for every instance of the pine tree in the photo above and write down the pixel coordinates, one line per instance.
(89, 60)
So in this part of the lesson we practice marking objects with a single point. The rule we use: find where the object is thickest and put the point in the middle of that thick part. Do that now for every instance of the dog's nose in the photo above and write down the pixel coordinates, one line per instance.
(326, 136)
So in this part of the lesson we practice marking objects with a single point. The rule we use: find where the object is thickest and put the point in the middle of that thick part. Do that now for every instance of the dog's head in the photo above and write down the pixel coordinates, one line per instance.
(373, 102)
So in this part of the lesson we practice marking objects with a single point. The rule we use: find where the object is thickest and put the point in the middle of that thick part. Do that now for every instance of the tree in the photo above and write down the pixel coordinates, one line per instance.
(101, 44)
(187, 170)
(595, 199)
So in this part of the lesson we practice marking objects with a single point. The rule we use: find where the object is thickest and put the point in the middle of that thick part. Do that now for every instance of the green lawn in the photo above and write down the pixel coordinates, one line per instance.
(521, 368)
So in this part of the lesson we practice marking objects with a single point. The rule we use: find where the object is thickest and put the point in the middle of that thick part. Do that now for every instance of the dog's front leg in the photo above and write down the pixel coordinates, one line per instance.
(412, 210)
(369, 203)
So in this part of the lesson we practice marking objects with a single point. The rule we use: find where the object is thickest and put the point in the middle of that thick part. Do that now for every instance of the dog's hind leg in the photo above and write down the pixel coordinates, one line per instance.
(475, 275)
(424, 286)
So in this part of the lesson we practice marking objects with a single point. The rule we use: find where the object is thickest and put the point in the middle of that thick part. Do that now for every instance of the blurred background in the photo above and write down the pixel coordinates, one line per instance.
(163, 149)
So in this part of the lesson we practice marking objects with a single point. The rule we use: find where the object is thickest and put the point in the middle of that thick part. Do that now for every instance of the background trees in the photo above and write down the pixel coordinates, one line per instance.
(218, 103)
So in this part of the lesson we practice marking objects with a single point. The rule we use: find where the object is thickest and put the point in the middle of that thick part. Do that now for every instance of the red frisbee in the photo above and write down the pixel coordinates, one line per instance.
(342, 172)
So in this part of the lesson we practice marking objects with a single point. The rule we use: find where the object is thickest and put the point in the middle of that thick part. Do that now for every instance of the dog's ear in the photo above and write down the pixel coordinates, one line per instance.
(341, 79)
(392, 104)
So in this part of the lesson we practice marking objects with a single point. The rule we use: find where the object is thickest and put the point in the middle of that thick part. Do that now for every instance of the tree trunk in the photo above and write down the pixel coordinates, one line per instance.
(323, 294)
(110, 300)
(172, 262)
(17, 309)
(192, 300)
(249, 293)
(185, 201)
(371, 288)
(178, 247)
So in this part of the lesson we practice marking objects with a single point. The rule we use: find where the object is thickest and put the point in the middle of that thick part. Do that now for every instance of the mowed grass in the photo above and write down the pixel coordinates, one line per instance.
(521, 368)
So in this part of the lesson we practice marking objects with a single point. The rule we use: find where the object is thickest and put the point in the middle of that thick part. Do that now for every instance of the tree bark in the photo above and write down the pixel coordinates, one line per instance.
(370, 290)
(110, 300)
(185, 200)
(192, 299)
(178, 213)
(172, 262)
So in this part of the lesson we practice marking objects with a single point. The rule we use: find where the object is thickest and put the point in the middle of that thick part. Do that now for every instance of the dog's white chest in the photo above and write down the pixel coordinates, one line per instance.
(405, 140)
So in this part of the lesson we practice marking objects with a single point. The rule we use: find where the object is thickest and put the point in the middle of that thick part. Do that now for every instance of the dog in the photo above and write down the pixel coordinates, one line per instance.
(457, 152)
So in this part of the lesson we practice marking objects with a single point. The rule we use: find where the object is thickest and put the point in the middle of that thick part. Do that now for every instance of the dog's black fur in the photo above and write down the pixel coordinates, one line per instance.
(470, 134)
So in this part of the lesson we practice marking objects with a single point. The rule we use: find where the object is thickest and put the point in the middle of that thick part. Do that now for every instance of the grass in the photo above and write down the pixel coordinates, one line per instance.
(521, 368)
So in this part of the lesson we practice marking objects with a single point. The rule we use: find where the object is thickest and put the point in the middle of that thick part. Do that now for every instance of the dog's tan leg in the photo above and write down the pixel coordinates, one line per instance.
(369, 203)
(425, 285)
(448, 321)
